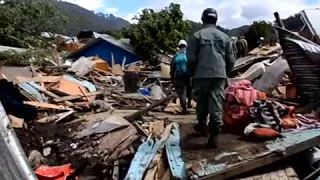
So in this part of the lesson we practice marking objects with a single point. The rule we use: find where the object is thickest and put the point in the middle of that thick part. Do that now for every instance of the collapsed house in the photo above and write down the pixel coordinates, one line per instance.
(105, 118)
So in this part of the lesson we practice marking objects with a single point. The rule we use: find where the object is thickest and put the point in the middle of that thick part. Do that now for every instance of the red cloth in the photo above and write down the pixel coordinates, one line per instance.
(239, 96)
(54, 173)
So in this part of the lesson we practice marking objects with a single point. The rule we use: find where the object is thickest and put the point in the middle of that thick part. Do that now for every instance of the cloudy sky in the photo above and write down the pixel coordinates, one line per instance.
(232, 13)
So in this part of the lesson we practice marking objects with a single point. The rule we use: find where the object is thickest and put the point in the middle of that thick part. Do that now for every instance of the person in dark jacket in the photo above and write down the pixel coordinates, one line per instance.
(210, 60)
(242, 47)
(180, 76)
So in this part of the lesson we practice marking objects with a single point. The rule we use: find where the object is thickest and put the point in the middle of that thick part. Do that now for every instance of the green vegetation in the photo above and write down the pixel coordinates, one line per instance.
(157, 31)
(21, 19)
(36, 57)
(257, 30)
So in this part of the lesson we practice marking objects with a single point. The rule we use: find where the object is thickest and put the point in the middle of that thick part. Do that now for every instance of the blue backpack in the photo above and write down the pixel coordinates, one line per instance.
(181, 63)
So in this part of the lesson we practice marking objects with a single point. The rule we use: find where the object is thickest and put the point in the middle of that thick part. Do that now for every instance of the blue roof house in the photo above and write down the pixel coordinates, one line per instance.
(103, 46)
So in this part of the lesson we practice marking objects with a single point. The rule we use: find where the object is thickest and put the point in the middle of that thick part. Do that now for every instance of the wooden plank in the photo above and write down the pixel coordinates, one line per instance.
(273, 172)
(73, 97)
(266, 176)
(305, 140)
(282, 175)
(46, 105)
(257, 177)
(16, 122)
(290, 172)
(161, 169)
(55, 118)
(30, 92)
(151, 173)
(48, 79)
(174, 154)
(156, 128)
(48, 93)
(167, 175)
(115, 173)
(144, 110)
(274, 176)
(67, 87)
(145, 155)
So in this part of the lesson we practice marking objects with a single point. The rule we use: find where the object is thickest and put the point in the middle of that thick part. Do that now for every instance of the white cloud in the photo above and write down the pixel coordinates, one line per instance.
(129, 17)
(235, 13)
(111, 10)
(88, 4)
(232, 13)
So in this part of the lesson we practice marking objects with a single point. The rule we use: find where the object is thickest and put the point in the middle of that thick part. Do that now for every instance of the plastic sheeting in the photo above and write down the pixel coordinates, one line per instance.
(82, 66)
(255, 71)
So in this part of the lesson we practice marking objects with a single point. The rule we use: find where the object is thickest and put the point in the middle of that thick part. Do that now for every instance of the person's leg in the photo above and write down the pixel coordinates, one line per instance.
(174, 100)
(215, 110)
(243, 53)
(202, 93)
(189, 93)
(181, 90)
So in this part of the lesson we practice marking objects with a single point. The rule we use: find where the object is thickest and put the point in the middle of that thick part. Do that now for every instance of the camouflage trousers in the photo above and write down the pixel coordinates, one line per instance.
(210, 95)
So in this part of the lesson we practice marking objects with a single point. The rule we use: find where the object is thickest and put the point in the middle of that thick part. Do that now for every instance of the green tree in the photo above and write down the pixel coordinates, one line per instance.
(21, 19)
(258, 29)
(156, 31)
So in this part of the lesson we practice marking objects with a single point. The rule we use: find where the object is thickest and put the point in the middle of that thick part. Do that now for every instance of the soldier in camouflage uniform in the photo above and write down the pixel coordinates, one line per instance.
(210, 60)
(242, 47)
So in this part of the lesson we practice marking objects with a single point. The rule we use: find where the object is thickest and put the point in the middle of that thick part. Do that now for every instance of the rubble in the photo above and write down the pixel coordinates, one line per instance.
(77, 116)
(105, 119)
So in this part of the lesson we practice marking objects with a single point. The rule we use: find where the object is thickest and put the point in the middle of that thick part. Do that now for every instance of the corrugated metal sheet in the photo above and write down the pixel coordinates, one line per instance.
(303, 57)
(104, 38)
(33, 92)
(13, 161)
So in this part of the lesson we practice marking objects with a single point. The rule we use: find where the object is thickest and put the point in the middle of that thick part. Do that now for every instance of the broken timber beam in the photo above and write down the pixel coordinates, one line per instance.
(73, 97)
(278, 19)
(145, 110)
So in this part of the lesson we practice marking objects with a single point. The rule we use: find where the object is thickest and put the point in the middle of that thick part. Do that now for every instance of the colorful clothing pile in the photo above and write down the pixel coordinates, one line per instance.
(239, 96)
(271, 118)
(268, 113)
(306, 123)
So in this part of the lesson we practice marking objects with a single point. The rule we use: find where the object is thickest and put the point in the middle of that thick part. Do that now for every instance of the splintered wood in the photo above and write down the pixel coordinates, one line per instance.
(280, 173)
(16, 122)
(47, 105)
(156, 128)
(157, 168)
(55, 118)
(47, 79)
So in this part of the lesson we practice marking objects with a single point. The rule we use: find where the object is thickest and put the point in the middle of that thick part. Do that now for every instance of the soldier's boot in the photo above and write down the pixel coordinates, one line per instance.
(201, 129)
(184, 110)
(174, 100)
(212, 142)
(189, 104)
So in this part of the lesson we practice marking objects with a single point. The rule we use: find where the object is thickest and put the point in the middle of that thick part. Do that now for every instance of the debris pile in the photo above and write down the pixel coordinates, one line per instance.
(83, 114)
(95, 117)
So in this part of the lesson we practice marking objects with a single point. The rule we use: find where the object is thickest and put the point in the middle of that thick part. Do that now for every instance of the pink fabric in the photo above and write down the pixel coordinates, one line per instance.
(307, 123)
(303, 123)
(239, 96)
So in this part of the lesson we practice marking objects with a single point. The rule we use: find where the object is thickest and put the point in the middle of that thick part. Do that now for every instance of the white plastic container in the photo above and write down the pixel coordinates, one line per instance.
(165, 70)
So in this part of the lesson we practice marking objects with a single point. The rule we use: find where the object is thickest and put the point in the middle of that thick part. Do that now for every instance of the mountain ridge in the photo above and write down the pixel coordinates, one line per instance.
(84, 19)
